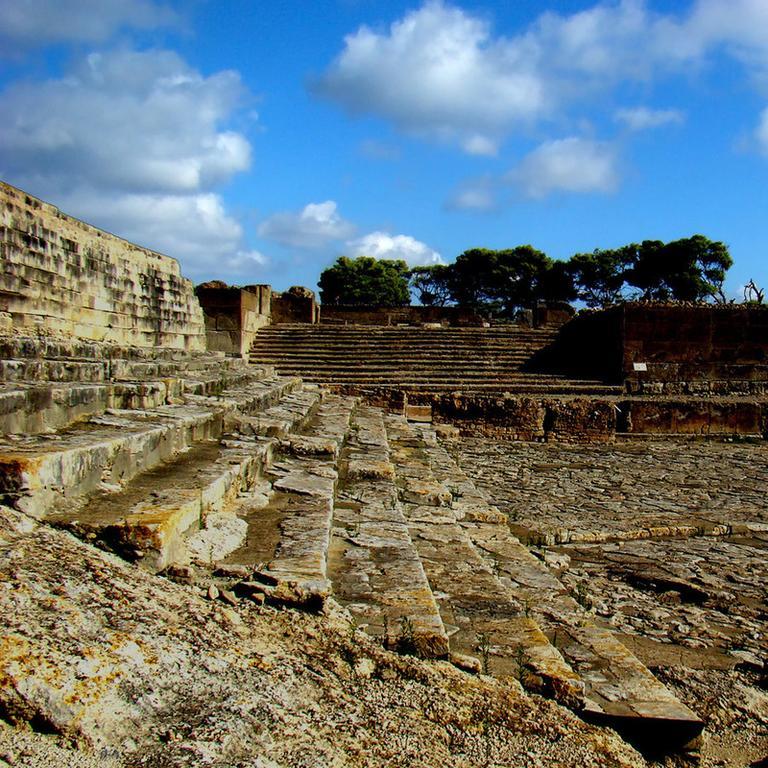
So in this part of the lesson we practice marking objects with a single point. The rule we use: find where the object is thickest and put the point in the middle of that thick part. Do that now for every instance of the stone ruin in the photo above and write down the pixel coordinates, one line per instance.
(232, 432)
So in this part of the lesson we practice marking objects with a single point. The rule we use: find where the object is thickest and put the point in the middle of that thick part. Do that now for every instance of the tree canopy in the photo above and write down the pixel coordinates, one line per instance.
(365, 281)
(502, 282)
(499, 282)
(689, 269)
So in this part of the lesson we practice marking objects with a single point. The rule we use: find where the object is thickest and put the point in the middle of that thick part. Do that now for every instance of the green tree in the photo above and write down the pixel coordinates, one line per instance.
(433, 284)
(506, 281)
(690, 269)
(599, 277)
(365, 281)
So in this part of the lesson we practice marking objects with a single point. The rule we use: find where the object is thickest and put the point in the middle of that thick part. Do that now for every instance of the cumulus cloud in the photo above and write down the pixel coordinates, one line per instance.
(133, 142)
(438, 73)
(381, 245)
(125, 120)
(643, 118)
(195, 228)
(26, 24)
(571, 165)
(316, 225)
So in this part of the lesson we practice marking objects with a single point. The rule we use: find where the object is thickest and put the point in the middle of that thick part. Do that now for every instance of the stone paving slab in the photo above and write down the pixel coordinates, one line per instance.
(618, 685)
(555, 493)
(483, 617)
(696, 595)
(376, 570)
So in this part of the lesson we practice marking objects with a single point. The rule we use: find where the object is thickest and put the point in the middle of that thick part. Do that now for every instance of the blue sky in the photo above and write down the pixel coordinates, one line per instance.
(257, 141)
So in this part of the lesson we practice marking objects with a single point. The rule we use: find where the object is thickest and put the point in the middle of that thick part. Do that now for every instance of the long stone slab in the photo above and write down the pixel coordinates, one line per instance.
(485, 618)
(297, 520)
(40, 473)
(148, 519)
(375, 568)
(619, 689)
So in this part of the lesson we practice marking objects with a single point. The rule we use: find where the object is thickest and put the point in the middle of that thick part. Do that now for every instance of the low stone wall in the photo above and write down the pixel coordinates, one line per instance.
(524, 418)
(590, 346)
(296, 305)
(667, 349)
(580, 419)
(399, 315)
(233, 315)
(62, 276)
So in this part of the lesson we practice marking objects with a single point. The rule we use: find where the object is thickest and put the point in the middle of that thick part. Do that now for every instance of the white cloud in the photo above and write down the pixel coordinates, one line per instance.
(480, 145)
(31, 23)
(381, 245)
(316, 225)
(570, 165)
(379, 150)
(473, 195)
(643, 118)
(125, 120)
(438, 73)
(132, 142)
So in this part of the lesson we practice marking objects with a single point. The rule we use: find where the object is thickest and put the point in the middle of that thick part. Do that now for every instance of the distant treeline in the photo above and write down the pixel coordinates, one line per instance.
(502, 282)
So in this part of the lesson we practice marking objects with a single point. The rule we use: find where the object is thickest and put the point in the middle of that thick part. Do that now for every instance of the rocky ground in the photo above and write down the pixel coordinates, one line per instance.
(667, 544)
(130, 669)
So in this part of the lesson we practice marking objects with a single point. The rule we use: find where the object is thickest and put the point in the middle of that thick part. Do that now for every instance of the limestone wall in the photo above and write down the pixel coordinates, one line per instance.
(62, 276)
(233, 315)
(416, 315)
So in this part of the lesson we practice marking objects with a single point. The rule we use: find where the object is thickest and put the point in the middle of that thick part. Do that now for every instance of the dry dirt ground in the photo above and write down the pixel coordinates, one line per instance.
(668, 545)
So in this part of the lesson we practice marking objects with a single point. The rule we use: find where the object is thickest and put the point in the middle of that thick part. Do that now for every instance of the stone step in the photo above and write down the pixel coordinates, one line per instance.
(449, 356)
(330, 331)
(148, 519)
(469, 354)
(423, 364)
(484, 618)
(37, 407)
(374, 567)
(41, 473)
(108, 369)
(20, 347)
(396, 375)
(287, 540)
(290, 414)
(491, 388)
(619, 690)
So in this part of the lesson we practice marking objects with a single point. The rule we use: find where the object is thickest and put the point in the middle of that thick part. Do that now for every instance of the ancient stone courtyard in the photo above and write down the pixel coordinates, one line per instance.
(666, 544)
(234, 534)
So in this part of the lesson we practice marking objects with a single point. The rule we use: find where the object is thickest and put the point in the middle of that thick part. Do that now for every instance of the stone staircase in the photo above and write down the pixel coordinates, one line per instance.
(282, 491)
(416, 359)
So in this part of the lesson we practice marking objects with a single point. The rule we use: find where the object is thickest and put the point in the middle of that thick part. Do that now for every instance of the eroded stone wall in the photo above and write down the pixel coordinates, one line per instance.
(233, 315)
(63, 276)
(296, 305)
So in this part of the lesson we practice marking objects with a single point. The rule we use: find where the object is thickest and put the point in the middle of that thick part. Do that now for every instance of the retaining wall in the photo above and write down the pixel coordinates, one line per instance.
(62, 276)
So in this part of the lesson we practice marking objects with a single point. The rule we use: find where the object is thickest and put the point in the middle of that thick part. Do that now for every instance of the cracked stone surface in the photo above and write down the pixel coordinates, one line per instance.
(667, 545)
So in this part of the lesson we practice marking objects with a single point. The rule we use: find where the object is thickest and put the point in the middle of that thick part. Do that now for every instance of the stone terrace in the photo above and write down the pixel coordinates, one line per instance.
(287, 493)
(416, 359)
(666, 544)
